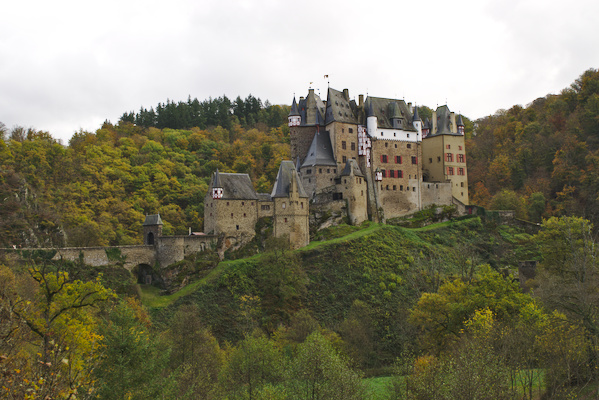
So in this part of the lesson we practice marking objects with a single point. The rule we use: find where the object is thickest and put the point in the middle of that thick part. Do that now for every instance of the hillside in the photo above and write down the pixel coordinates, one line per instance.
(384, 267)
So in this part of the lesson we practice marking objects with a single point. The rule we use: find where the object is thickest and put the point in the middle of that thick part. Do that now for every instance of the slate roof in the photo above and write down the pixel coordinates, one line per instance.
(339, 108)
(294, 109)
(321, 151)
(286, 174)
(235, 186)
(352, 165)
(153, 220)
(460, 121)
(264, 197)
(311, 109)
(386, 109)
(416, 117)
(443, 120)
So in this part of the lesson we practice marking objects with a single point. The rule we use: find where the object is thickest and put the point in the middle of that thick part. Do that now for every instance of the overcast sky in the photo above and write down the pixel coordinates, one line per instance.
(69, 65)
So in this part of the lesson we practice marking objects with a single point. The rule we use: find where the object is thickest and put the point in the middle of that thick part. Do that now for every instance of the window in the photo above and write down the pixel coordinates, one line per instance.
(430, 160)
(386, 144)
(227, 203)
(381, 133)
(384, 173)
(328, 170)
(461, 158)
(320, 170)
(387, 187)
(391, 173)
(285, 219)
(351, 130)
(408, 138)
(244, 215)
(459, 147)
(414, 160)
(302, 204)
(344, 159)
(231, 215)
(308, 171)
(384, 158)
(409, 146)
(460, 171)
(264, 208)
(237, 226)
(462, 184)
(438, 159)
(394, 134)
(343, 145)
(394, 187)
(397, 159)
(449, 157)
(342, 130)
(243, 203)
(447, 146)
(396, 145)
(399, 173)
(353, 146)
(449, 170)
(401, 187)
(284, 205)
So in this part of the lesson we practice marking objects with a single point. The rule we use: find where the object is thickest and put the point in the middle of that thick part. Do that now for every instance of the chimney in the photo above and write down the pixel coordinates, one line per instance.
(410, 109)
(346, 94)
(361, 100)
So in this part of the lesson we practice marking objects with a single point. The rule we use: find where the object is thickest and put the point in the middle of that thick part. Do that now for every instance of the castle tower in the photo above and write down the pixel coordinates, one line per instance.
(371, 120)
(152, 228)
(217, 187)
(460, 125)
(295, 118)
(290, 216)
(417, 122)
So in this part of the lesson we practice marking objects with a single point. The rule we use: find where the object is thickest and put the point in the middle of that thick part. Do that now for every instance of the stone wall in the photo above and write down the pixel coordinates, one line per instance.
(171, 249)
(354, 191)
(314, 179)
(98, 256)
(343, 132)
(225, 215)
(438, 193)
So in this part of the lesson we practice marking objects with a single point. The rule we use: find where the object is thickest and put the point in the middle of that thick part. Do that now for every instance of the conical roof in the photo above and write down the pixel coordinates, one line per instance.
(416, 116)
(216, 181)
(460, 121)
(294, 109)
(352, 166)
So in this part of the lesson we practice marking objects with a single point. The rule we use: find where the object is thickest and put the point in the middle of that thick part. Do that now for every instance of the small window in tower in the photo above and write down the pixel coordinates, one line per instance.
(231, 215)
(462, 184)
(342, 130)
(328, 170)
(227, 203)
(343, 145)
(350, 130)
(394, 134)
(320, 170)
(244, 215)
(381, 133)
(401, 187)
(243, 203)
(396, 145)
(430, 160)
(353, 146)
(386, 144)
(362, 193)
(409, 146)
(394, 187)
(285, 219)
(334, 170)
(408, 135)
(344, 159)
(284, 205)
(302, 205)
(438, 159)
(387, 187)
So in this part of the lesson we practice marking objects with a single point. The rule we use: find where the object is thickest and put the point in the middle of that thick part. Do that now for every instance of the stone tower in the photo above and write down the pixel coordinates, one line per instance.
(152, 229)
(290, 206)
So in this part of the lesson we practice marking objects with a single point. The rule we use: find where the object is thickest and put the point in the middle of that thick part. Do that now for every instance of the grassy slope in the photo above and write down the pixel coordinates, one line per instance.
(387, 267)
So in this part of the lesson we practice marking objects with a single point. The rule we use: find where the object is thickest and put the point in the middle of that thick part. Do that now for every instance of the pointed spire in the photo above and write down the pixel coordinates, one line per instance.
(460, 121)
(297, 164)
(294, 108)
(216, 182)
(416, 116)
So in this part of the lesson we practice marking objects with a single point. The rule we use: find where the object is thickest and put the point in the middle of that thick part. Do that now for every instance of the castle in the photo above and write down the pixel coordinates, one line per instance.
(375, 159)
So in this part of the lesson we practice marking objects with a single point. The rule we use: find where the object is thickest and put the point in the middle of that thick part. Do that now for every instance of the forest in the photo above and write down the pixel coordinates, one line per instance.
(364, 312)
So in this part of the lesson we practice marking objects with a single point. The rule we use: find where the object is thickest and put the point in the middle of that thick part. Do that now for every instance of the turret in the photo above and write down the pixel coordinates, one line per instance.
(295, 118)
(426, 128)
(460, 125)
(395, 115)
(417, 123)
(217, 188)
(152, 229)
(371, 120)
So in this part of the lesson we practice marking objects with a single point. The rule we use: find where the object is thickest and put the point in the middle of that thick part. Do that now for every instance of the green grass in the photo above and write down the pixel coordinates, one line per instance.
(151, 297)
(378, 387)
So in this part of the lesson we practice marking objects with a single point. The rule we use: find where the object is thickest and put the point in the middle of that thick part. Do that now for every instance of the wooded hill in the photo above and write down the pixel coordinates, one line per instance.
(542, 159)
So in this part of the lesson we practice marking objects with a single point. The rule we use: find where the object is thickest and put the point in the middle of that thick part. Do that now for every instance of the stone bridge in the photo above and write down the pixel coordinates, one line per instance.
(166, 250)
